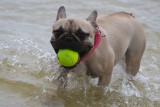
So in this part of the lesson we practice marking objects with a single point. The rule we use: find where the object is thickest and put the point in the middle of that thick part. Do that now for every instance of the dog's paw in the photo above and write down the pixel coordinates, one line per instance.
(129, 77)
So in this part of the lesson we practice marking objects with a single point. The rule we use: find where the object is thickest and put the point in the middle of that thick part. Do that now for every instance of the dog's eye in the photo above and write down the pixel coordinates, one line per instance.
(82, 35)
(58, 32)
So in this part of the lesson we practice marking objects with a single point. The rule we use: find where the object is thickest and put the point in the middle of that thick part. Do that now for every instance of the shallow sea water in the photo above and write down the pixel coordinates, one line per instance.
(28, 63)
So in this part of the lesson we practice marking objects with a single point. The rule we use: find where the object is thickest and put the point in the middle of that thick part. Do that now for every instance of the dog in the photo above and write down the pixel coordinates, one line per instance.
(101, 42)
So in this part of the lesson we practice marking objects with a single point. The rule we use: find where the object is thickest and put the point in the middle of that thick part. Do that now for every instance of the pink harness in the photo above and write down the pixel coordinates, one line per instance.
(96, 43)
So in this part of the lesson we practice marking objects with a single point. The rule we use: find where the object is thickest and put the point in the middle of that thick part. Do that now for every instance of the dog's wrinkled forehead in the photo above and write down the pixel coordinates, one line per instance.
(72, 25)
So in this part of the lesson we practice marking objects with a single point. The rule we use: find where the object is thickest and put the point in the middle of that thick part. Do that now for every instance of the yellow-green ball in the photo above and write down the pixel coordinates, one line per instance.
(67, 57)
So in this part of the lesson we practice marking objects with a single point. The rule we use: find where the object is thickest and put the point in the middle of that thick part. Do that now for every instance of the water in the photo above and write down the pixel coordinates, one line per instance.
(28, 62)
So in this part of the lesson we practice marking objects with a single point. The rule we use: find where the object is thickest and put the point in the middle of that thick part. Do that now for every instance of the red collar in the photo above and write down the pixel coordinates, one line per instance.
(96, 43)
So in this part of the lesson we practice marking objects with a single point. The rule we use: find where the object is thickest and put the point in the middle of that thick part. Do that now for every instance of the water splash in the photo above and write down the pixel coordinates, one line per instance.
(23, 60)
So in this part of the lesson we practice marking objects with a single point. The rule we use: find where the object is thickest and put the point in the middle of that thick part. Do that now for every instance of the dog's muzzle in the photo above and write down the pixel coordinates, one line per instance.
(70, 41)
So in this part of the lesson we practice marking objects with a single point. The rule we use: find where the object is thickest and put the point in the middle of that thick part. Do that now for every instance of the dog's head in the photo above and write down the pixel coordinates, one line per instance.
(74, 34)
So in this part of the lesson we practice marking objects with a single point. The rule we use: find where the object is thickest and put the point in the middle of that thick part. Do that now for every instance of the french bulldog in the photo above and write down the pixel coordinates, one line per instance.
(120, 34)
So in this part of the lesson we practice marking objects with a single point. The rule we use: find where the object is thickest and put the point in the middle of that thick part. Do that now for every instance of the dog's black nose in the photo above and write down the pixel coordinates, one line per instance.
(68, 39)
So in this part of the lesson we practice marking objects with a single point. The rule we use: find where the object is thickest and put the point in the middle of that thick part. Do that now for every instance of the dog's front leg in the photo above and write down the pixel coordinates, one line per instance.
(105, 79)
(62, 79)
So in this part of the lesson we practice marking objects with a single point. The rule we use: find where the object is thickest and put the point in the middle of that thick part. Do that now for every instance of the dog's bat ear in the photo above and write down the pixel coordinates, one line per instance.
(92, 18)
(61, 13)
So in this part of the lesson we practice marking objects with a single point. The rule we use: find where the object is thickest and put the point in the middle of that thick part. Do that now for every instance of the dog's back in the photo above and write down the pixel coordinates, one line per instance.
(123, 32)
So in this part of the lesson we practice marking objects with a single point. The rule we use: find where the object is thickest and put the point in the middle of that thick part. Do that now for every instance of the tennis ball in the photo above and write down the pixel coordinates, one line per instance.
(67, 57)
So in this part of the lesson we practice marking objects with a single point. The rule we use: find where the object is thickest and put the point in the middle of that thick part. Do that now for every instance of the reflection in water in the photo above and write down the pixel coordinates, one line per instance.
(28, 65)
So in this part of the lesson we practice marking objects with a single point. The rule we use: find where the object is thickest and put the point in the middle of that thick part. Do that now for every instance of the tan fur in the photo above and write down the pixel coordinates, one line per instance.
(124, 36)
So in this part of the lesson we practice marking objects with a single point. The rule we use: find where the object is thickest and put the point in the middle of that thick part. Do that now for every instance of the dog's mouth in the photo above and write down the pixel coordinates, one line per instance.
(82, 49)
